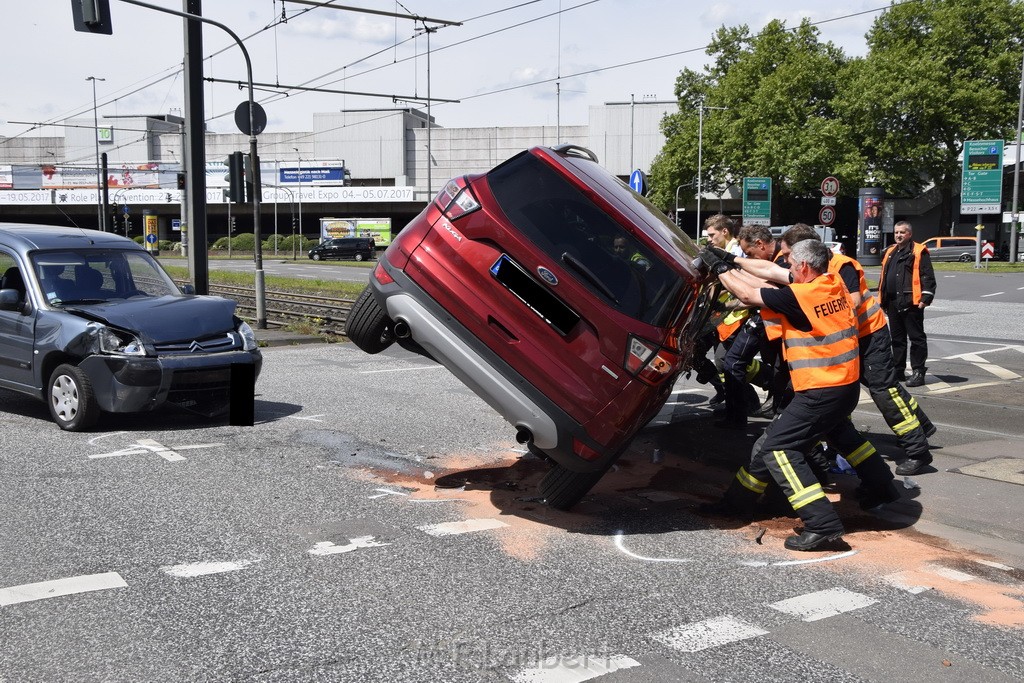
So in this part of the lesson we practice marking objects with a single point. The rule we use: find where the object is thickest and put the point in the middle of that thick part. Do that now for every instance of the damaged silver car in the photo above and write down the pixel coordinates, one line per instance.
(90, 323)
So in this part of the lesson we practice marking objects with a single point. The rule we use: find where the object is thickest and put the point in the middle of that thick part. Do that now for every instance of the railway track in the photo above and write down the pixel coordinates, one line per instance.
(288, 308)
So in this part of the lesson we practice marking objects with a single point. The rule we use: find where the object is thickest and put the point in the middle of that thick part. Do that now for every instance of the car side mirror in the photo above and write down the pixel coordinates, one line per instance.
(187, 289)
(10, 299)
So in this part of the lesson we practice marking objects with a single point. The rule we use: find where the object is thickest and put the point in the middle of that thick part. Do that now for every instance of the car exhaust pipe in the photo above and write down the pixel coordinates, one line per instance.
(524, 435)
(402, 330)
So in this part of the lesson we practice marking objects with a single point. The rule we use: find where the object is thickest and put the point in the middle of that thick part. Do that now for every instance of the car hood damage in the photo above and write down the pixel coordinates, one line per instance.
(165, 319)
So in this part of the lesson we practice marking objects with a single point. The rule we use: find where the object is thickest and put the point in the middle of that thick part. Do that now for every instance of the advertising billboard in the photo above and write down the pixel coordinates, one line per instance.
(377, 228)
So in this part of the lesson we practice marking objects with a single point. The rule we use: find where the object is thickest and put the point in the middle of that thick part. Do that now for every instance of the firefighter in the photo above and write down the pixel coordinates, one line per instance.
(898, 407)
(818, 328)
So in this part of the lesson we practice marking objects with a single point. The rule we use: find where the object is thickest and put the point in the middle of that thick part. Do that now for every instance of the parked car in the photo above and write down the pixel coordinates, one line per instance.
(90, 323)
(345, 248)
(565, 300)
(961, 249)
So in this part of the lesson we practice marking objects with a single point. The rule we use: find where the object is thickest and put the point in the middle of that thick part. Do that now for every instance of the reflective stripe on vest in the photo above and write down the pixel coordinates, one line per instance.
(828, 354)
(869, 314)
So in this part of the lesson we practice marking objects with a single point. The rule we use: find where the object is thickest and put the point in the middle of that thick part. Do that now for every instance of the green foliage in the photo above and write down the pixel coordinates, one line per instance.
(786, 105)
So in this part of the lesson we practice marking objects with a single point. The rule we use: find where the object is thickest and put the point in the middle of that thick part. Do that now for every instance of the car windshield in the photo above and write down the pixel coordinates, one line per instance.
(585, 240)
(99, 276)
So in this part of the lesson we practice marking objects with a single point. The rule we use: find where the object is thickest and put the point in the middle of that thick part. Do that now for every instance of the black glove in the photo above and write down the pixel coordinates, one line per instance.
(722, 254)
(710, 260)
(721, 267)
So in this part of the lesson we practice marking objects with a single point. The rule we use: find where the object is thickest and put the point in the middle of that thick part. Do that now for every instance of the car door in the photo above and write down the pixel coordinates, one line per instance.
(17, 331)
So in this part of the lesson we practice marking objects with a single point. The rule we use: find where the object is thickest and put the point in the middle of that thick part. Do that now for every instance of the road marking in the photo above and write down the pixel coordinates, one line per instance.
(823, 604)
(153, 447)
(387, 492)
(573, 669)
(161, 450)
(792, 563)
(947, 573)
(424, 367)
(464, 527)
(992, 294)
(192, 569)
(902, 581)
(619, 544)
(60, 587)
(324, 548)
(945, 388)
(311, 418)
(706, 634)
(995, 565)
(1000, 372)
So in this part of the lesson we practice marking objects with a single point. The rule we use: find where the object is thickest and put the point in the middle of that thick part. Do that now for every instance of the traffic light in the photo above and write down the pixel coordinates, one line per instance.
(236, 177)
(181, 181)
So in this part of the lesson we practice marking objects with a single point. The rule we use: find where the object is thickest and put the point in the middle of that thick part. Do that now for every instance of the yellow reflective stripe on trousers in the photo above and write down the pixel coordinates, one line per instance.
(910, 422)
(802, 495)
(750, 482)
(806, 496)
(865, 451)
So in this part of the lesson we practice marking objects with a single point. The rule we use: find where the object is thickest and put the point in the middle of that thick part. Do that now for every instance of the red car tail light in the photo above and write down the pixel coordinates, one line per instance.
(584, 451)
(649, 362)
(456, 199)
(381, 275)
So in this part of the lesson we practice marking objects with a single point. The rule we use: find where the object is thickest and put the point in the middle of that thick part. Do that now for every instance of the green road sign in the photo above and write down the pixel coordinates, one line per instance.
(981, 190)
(757, 201)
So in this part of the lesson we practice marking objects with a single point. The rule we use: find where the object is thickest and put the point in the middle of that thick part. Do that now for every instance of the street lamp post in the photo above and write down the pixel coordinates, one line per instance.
(1015, 221)
(300, 201)
(101, 222)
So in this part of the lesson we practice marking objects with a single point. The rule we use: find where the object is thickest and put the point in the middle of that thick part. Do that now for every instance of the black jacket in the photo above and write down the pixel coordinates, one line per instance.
(896, 281)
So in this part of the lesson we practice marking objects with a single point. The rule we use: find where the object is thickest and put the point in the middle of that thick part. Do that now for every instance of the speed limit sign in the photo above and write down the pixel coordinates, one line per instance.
(827, 215)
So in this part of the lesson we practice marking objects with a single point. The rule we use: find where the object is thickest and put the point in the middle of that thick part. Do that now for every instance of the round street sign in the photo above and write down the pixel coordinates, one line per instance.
(830, 187)
(259, 117)
(638, 181)
(827, 215)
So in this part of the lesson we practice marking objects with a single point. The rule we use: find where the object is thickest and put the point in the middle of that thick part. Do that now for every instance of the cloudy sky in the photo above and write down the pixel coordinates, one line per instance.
(511, 62)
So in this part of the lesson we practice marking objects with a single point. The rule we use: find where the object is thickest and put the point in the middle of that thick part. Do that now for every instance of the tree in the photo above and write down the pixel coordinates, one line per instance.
(777, 89)
(938, 72)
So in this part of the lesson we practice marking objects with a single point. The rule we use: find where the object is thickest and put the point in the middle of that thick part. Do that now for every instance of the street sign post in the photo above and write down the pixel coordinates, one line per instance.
(829, 187)
(638, 181)
(757, 201)
(981, 189)
(827, 215)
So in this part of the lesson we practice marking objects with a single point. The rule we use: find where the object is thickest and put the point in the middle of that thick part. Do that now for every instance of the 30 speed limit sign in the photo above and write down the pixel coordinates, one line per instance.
(827, 215)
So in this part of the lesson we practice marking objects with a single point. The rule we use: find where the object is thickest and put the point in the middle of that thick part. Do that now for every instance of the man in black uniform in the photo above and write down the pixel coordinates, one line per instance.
(906, 287)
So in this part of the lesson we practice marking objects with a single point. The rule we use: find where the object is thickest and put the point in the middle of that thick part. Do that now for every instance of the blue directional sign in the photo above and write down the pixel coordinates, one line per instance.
(638, 181)
(151, 238)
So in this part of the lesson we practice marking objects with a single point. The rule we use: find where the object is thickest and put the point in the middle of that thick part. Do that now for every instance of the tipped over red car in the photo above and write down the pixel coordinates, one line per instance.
(556, 293)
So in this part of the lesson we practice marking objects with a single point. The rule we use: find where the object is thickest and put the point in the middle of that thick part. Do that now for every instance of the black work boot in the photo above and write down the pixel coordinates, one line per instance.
(917, 378)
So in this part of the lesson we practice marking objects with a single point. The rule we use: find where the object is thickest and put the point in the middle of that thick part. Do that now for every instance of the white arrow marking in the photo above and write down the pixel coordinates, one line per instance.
(324, 548)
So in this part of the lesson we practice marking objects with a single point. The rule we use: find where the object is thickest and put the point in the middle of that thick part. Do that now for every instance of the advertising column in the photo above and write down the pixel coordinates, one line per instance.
(150, 231)
(871, 209)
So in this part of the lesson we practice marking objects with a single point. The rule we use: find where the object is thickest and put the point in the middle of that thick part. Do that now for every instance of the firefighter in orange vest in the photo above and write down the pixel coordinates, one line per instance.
(906, 286)
(818, 327)
(898, 407)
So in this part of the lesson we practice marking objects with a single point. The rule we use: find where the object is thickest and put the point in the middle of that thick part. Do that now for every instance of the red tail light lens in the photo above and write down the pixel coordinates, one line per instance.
(381, 275)
(584, 451)
(650, 362)
(456, 199)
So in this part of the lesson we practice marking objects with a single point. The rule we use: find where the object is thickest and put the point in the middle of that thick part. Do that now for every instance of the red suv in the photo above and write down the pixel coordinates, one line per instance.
(565, 300)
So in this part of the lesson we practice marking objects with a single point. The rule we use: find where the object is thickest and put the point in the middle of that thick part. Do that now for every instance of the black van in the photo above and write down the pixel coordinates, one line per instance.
(346, 248)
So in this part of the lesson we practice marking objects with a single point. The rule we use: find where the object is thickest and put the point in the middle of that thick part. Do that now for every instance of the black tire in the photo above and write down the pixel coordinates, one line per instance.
(359, 257)
(562, 488)
(966, 258)
(71, 400)
(315, 257)
(368, 326)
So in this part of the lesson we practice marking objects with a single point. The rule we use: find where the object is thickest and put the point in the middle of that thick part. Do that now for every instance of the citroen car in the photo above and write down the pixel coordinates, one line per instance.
(560, 296)
(90, 323)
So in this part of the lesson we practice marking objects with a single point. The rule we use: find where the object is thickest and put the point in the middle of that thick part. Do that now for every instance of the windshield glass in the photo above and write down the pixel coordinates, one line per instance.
(94, 277)
(589, 243)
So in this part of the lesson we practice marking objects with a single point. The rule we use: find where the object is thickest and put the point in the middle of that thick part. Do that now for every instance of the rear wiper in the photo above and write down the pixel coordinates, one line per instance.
(578, 266)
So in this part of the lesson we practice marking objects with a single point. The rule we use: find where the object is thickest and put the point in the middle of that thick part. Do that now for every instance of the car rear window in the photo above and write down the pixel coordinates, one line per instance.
(591, 245)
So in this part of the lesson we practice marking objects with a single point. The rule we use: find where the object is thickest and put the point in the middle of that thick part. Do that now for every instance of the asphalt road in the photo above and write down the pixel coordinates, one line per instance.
(325, 543)
(378, 523)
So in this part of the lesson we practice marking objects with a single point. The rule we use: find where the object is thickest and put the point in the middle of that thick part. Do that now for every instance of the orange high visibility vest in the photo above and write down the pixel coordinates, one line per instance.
(828, 355)
(915, 282)
(869, 314)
